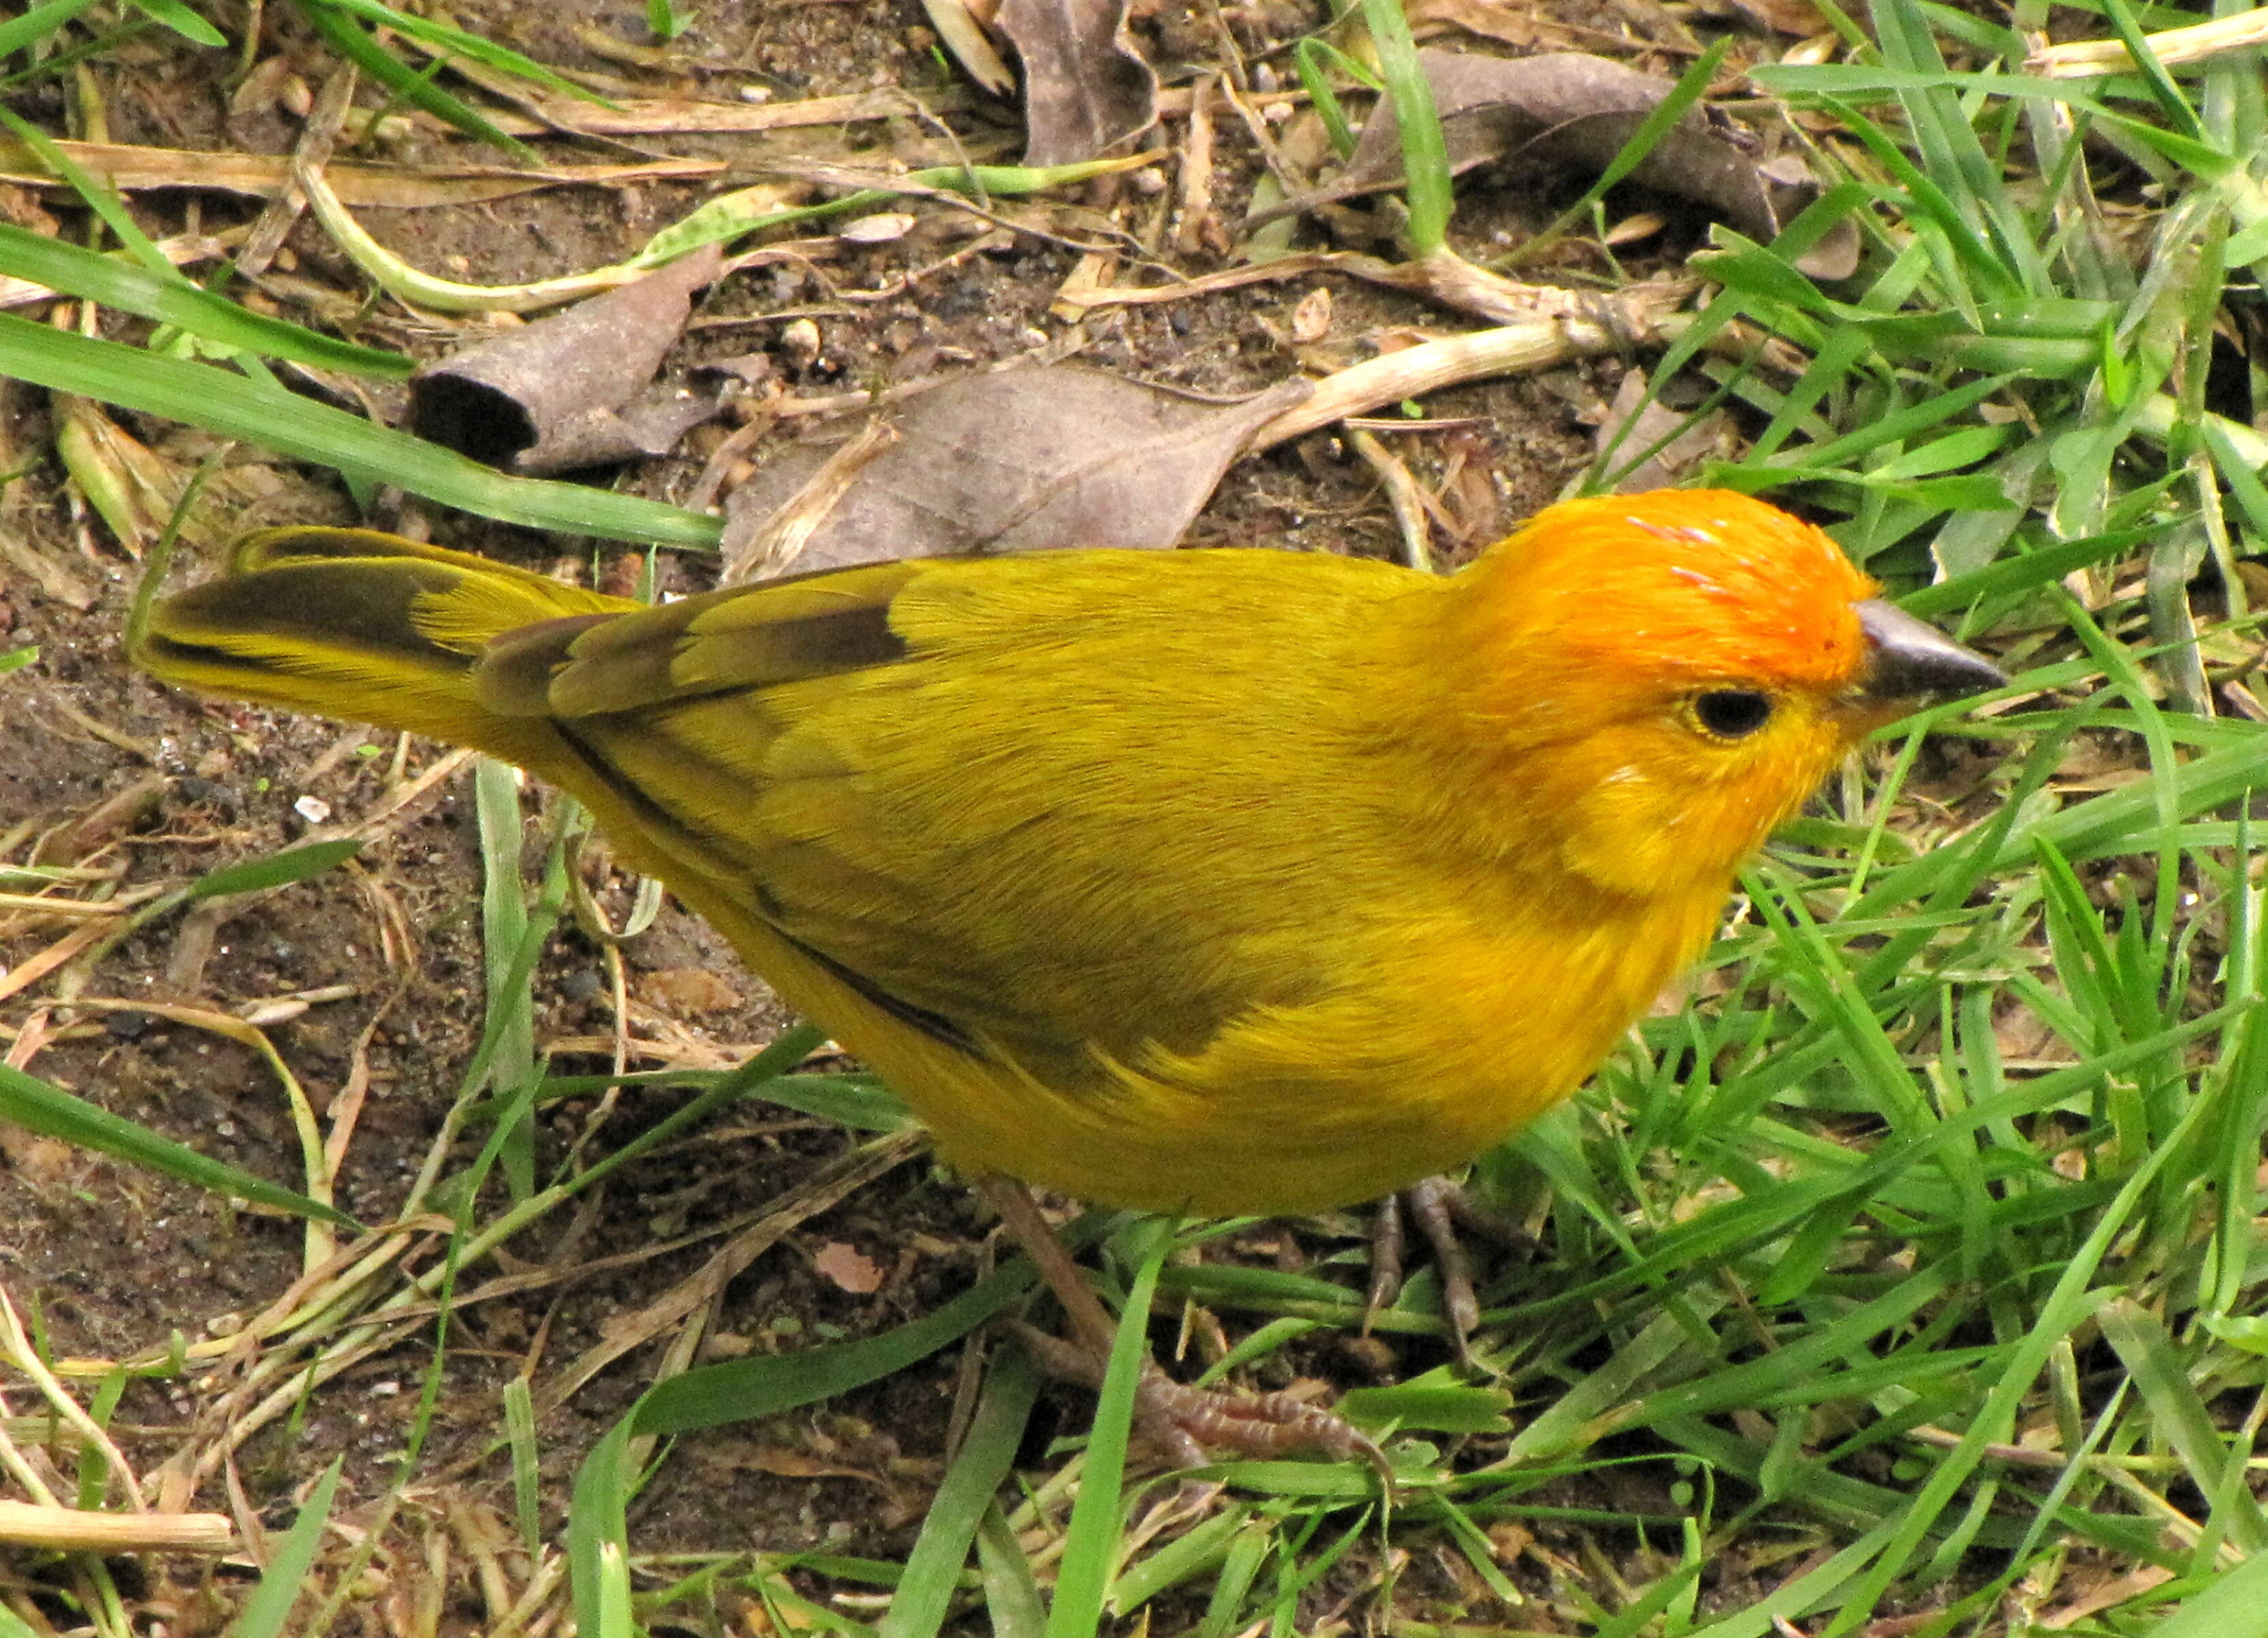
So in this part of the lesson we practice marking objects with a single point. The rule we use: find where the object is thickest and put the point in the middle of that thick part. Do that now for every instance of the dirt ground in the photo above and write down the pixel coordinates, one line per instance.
(118, 1262)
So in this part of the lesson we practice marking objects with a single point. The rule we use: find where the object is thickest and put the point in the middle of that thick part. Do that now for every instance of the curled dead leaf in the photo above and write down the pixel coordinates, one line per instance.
(1572, 106)
(546, 397)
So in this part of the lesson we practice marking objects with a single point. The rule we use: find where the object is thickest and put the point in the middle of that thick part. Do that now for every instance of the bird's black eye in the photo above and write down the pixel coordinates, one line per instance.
(1733, 713)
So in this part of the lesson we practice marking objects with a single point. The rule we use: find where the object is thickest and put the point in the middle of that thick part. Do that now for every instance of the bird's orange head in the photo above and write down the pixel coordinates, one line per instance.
(1659, 679)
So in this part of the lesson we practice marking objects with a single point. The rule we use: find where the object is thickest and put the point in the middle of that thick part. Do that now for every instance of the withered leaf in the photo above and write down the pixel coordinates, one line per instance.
(1014, 460)
(688, 989)
(1636, 424)
(503, 401)
(1085, 87)
(849, 1268)
(1571, 105)
(651, 424)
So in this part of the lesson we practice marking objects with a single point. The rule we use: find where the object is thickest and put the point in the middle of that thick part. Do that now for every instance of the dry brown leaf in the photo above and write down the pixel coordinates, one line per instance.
(652, 424)
(849, 1268)
(688, 989)
(2021, 1036)
(1651, 422)
(2114, 1590)
(786, 1463)
(771, 549)
(50, 574)
(1572, 106)
(1468, 491)
(545, 397)
(1017, 461)
(1085, 88)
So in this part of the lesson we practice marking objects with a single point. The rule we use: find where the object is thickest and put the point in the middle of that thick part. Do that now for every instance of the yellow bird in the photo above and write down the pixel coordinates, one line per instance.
(1212, 881)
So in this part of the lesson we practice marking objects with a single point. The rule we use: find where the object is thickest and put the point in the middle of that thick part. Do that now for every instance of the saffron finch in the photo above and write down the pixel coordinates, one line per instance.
(1215, 882)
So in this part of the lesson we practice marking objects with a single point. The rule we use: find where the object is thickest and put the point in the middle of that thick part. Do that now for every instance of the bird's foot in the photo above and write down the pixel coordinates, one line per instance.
(1187, 1422)
(1439, 1208)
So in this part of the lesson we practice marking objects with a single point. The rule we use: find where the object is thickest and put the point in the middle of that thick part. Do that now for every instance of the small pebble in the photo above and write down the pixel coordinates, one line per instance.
(800, 341)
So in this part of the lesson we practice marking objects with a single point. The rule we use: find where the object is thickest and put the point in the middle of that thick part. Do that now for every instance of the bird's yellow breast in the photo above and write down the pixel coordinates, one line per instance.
(1432, 1051)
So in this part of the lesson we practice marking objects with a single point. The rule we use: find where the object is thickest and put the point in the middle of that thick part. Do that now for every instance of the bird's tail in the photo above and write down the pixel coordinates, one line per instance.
(363, 626)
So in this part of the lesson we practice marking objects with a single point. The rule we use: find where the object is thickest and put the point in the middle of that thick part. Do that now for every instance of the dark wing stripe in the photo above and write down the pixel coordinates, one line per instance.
(367, 607)
(656, 819)
(937, 1026)
(517, 667)
(789, 650)
(682, 651)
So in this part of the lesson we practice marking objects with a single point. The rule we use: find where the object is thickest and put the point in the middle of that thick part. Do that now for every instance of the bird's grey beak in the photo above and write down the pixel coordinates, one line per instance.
(1910, 660)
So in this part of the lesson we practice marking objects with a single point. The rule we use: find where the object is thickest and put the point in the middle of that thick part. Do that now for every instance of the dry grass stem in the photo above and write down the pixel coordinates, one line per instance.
(70, 1530)
(2199, 42)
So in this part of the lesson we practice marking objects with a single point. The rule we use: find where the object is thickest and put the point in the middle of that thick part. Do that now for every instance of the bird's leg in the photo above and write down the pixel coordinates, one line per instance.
(1440, 1208)
(1184, 1420)
(1385, 1266)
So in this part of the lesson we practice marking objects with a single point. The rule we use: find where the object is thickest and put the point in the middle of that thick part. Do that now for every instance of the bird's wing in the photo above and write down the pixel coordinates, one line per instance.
(1020, 819)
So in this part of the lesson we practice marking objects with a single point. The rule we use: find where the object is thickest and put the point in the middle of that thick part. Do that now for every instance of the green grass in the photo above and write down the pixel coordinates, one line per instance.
(1915, 1268)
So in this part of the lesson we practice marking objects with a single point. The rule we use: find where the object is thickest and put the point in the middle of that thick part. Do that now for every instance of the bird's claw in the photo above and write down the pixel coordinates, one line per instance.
(1186, 1420)
(1440, 1208)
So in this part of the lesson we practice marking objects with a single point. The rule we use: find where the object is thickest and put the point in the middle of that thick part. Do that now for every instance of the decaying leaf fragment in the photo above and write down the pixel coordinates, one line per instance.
(558, 394)
(1651, 445)
(1085, 87)
(1571, 105)
(1014, 460)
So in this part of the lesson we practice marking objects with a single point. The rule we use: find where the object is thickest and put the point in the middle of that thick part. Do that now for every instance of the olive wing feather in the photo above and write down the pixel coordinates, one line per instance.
(892, 767)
